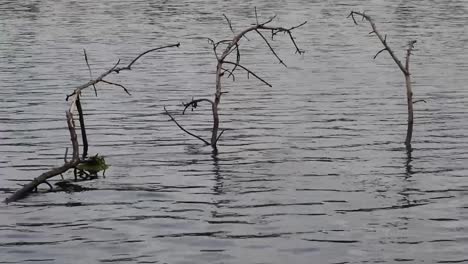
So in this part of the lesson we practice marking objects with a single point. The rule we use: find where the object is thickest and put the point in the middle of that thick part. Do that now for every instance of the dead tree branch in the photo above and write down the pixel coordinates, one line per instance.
(183, 129)
(404, 69)
(194, 103)
(230, 47)
(248, 71)
(75, 104)
(129, 66)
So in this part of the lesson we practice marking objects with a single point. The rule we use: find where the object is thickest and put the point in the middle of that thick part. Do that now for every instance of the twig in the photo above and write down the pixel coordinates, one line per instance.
(129, 66)
(271, 48)
(89, 69)
(183, 129)
(194, 103)
(384, 49)
(115, 69)
(256, 16)
(231, 73)
(219, 136)
(249, 71)
(229, 23)
(116, 84)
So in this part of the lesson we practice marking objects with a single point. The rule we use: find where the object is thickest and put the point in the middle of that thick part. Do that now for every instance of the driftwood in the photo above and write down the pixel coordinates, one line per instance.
(404, 69)
(75, 106)
(228, 67)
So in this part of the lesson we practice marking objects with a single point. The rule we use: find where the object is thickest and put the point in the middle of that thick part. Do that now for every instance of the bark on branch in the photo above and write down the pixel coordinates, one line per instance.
(404, 69)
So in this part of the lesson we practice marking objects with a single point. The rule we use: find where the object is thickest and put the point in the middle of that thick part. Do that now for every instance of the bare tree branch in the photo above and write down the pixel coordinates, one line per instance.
(220, 134)
(129, 66)
(116, 84)
(271, 48)
(249, 71)
(89, 69)
(229, 23)
(183, 129)
(381, 38)
(380, 51)
(194, 103)
(229, 47)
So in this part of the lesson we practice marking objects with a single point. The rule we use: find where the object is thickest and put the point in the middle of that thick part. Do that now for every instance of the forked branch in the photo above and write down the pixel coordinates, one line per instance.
(405, 69)
(194, 103)
(382, 39)
(227, 64)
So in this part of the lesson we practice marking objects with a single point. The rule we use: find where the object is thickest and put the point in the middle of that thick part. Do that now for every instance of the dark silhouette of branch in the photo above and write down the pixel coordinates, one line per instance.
(116, 84)
(249, 72)
(384, 49)
(271, 48)
(89, 69)
(129, 66)
(194, 103)
(183, 129)
(231, 46)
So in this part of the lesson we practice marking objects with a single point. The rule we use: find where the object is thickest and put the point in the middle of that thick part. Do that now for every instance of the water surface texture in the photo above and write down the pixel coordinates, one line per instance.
(311, 170)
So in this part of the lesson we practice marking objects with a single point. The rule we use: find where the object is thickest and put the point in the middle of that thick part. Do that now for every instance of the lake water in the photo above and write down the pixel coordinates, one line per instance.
(312, 170)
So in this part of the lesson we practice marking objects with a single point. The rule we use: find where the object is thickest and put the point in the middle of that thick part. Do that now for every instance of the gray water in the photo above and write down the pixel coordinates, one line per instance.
(312, 170)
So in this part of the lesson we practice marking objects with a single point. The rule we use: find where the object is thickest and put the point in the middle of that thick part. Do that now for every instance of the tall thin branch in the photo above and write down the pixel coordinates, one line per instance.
(404, 69)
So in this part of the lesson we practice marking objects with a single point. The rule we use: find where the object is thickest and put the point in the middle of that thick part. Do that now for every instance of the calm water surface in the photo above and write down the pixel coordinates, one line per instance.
(312, 170)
